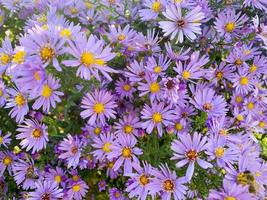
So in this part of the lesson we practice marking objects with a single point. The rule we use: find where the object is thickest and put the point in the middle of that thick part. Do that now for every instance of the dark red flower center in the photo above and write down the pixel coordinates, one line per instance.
(180, 23)
(192, 154)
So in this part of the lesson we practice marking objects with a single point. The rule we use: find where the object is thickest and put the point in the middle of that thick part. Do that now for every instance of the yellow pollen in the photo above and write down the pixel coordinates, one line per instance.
(126, 87)
(219, 75)
(192, 154)
(73, 10)
(168, 185)
(238, 99)
(117, 194)
(250, 105)
(229, 27)
(37, 133)
(262, 124)
(1, 140)
(106, 147)
(156, 6)
(238, 62)
(58, 179)
(179, 126)
(100, 62)
(121, 37)
(253, 68)
(126, 152)
(242, 178)
(47, 91)
(1, 92)
(229, 198)
(87, 59)
(99, 108)
(154, 87)
(47, 53)
(243, 80)
(144, 180)
(20, 100)
(37, 77)
(110, 165)
(45, 27)
(240, 117)
(219, 152)
(257, 174)
(97, 130)
(7, 160)
(223, 132)
(157, 69)
(75, 178)
(128, 129)
(186, 74)
(89, 5)
(5, 59)
(18, 58)
(76, 188)
(65, 33)
(42, 19)
(157, 117)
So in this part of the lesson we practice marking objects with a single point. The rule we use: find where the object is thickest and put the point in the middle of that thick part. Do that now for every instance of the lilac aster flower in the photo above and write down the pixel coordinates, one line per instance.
(77, 190)
(2, 93)
(5, 139)
(33, 134)
(243, 82)
(7, 159)
(259, 4)
(159, 67)
(71, 148)
(115, 194)
(188, 25)
(25, 173)
(125, 88)
(171, 89)
(167, 184)
(18, 102)
(91, 56)
(136, 71)
(156, 116)
(125, 152)
(176, 55)
(6, 52)
(48, 95)
(122, 36)
(98, 106)
(153, 8)
(46, 190)
(56, 175)
(102, 185)
(187, 150)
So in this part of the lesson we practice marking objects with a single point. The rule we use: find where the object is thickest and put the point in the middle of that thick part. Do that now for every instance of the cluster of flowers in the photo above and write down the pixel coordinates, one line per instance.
(196, 75)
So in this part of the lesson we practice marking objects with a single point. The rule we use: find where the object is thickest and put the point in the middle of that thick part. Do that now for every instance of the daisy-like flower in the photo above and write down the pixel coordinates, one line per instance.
(136, 71)
(188, 25)
(77, 190)
(69, 30)
(2, 93)
(206, 100)
(125, 88)
(103, 145)
(18, 102)
(91, 56)
(139, 185)
(167, 184)
(102, 185)
(171, 89)
(71, 148)
(98, 106)
(7, 159)
(33, 134)
(46, 190)
(153, 8)
(259, 4)
(187, 150)
(228, 22)
(156, 116)
(115, 194)
(122, 36)
(56, 175)
(159, 67)
(6, 52)
(125, 152)
(5, 139)
(48, 95)
(25, 173)
(176, 56)
(243, 82)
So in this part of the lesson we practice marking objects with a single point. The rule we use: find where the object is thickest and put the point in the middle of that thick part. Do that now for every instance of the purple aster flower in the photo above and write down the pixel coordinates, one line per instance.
(18, 102)
(25, 173)
(167, 184)
(156, 116)
(68, 30)
(98, 106)
(259, 4)
(6, 52)
(123, 36)
(2, 93)
(136, 71)
(139, 186)
(159, 67)
(150, 43)
(176, 55)
(91, 56)
(5, 139)
(46, 190)
(153, 8)
(171, 89)
(7, 159)
(33, 134)
(206, 100)
(71, 148)
(102, 185)
(115, 194)
(125, 152)
(188, 25)
(257, 67)
(56, 175)
(125, 88)
(243, 82)
(48, 95)
(103, 145)
(187, 150)
(77, 190)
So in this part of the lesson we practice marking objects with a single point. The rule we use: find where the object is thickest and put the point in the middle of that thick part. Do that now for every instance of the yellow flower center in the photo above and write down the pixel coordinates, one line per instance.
(157, 117)
(20, 100)
(58, 179)
(238, 62)
(106, 147)
(157, 69)
(37, 77)
(219, 75)
(99, 108)
(75, 178)
(154, 87)
(87, 59)
(110, 165)
(179, 126)
(242, 178)
(168, 185)
(240, 117)
(37, 133)
(243, 80)
(1, 140)
(7, 160)
(42, 19)
(144, 180)
(262, 124)
(1, 92)
(117, 194)
(76, 188)
(126, 87)
(121, 37)
(5, 59)
(186, 74)
(97, 130)
(45, 27)
(126, 152)
(223, 132)
(192, 154)
(156, 6)
(229, 198)
(47, 53)
(47, 91)
(229, 27)
(253, 68)
(65, 33)
(73, 10)
(128, 129)
(207, 106)
(250, 105)
(89, 5)
(219, 152)
(18, 58)
(238, 99)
